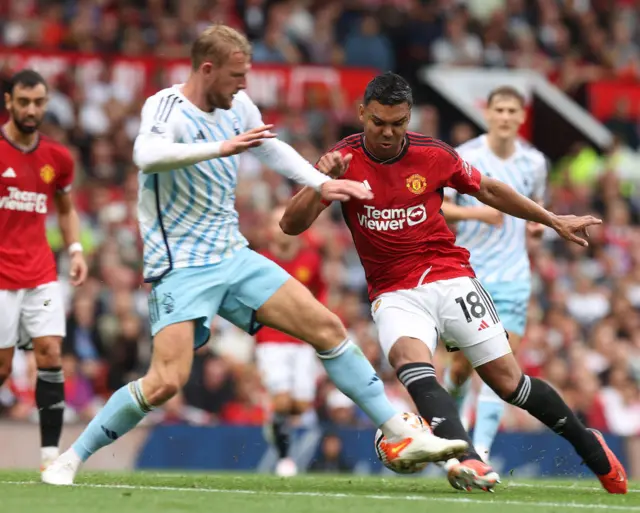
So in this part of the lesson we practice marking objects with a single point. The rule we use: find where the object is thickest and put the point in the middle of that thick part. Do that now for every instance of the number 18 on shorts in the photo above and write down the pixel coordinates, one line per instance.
(459, 311)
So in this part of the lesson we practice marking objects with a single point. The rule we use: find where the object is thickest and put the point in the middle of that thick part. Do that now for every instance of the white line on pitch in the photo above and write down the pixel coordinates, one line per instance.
(343, 496)
(545, 486)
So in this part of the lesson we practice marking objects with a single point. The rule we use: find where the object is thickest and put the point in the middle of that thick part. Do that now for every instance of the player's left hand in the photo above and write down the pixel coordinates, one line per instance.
(79, 270)
(334, 164)
(344, 190)
(571, 227)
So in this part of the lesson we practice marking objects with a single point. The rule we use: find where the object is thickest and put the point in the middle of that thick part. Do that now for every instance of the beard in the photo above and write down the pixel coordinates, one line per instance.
(22, 127)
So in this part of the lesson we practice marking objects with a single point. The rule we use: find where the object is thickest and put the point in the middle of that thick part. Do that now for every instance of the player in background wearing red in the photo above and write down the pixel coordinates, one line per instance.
(421, 285)
(288, 365)
(35, 172)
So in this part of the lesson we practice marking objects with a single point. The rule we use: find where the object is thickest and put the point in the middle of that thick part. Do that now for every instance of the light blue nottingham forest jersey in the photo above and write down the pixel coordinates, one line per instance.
(499, 254)
(187, 216)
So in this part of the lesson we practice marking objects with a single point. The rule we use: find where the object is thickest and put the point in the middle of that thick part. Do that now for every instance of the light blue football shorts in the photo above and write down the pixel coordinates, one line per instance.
(233, 289)
(511, 300)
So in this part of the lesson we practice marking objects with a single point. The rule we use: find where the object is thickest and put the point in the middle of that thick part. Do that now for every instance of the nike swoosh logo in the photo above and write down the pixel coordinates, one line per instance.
(392, 450)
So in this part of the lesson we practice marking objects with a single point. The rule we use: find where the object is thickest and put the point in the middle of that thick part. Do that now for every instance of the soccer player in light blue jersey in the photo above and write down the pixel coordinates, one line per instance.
(497, 243)
(200, 265)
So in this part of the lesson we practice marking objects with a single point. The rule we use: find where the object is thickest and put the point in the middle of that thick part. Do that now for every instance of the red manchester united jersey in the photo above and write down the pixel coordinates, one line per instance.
(401, 235)
(28, 181)
(306, 267)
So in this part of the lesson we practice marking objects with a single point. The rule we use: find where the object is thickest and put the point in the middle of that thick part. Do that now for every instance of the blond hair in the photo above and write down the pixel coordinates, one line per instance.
(216, 44)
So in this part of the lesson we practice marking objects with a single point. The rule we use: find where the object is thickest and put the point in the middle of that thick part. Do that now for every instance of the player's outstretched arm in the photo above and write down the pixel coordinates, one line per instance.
(454, 213)
(305, 207)
(500, 196)
(154, 153)
(302, 210)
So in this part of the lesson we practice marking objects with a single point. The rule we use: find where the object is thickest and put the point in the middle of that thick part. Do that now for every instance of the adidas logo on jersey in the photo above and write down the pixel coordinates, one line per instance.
(392, 219)
(9, 173)
(483, 325)
(200, 136)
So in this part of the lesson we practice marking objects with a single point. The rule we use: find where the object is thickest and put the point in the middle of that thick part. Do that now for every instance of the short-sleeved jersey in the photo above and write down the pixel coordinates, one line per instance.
(401, 235)
(306, 267)
(499, 253)
(187, 216)
(29, 180)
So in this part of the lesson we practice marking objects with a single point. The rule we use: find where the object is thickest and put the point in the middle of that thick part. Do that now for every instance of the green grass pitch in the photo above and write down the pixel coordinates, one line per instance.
(143, 492)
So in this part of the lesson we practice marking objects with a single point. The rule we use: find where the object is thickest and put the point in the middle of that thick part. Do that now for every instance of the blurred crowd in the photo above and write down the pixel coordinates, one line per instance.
(578, 40)
(584, 324)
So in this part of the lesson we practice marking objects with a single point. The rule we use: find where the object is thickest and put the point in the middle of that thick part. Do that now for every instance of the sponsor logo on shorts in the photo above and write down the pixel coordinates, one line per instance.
(47, 302)
(168, 303)
(483, 325)
(24, 201)
(377, 305)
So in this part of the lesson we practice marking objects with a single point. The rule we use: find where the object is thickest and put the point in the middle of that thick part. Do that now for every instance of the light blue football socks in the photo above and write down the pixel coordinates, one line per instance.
(351, 372)
(124, 411)
(489, 412)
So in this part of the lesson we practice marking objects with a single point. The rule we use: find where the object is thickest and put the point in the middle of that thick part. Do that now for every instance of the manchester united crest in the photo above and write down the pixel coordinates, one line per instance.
(303, 274)
(417, 184)
(47, 173)
(377, 305)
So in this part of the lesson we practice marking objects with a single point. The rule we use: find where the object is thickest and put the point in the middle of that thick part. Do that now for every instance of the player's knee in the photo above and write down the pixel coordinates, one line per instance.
(48, 352)
(300, 407)
(460, 369)
(408, 350)
(282, 403)
(327, 333)
(5, 371)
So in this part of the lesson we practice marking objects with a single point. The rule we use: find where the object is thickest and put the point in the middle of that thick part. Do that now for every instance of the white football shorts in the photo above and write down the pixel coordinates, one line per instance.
(458, 311)
(288, 368)
(26, 314)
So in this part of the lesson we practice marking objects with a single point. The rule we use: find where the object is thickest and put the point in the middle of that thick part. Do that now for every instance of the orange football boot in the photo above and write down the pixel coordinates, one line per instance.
(471, 474)
(616, 480)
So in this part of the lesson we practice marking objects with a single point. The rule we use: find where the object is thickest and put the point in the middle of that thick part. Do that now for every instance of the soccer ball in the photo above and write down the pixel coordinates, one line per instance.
(416, 422)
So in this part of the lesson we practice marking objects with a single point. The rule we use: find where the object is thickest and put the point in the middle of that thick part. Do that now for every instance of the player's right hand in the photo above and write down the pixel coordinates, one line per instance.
(249, 139)
(334, 164)
(571, 227)
(344, 190)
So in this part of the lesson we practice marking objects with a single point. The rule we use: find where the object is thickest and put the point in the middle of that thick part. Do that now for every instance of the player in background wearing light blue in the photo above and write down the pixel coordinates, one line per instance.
(497, 243)
(199, 262)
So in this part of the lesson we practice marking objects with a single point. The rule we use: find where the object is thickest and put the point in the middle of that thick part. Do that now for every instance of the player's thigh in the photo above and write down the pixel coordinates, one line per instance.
(407, 330)
(10, 308)
(511, 301)
(305, 374)
(275, 364)
(467, 314)
(191, 295)
(283, 303)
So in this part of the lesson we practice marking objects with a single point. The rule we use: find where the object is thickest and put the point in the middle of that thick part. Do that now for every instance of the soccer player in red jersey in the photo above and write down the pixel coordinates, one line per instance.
(288, 365)
(421, 285)
(35, 172)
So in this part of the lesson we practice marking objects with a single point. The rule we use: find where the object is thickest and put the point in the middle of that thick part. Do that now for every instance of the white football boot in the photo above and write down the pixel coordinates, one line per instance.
(421, 446)
(63, 470)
